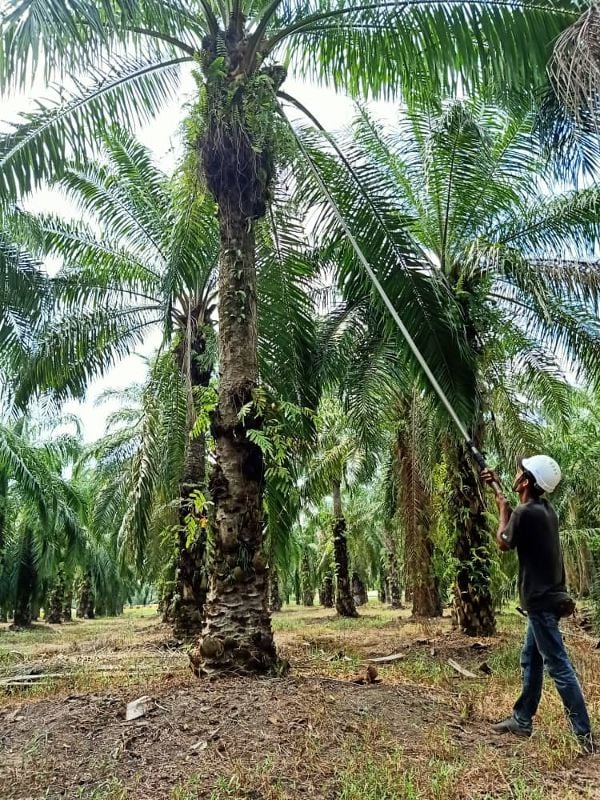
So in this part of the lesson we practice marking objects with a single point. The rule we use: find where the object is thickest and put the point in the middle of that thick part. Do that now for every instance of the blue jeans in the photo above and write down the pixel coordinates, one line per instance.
(544, 647)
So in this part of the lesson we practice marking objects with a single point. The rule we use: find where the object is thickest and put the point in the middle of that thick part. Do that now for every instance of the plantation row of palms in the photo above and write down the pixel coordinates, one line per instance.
(283, 402)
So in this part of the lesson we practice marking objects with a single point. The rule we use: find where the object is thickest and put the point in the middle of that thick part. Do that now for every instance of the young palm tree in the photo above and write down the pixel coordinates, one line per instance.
(339, 462)
(460, 193)
(126, 57)
(41, 516)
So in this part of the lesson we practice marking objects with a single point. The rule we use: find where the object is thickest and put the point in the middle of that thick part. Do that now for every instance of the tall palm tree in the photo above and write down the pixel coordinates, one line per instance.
(126, 57)
(464, 193)
(145, 259)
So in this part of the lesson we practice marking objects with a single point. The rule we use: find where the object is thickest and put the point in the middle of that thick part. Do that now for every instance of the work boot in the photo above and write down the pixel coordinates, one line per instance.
(587, 744)
(511, 725)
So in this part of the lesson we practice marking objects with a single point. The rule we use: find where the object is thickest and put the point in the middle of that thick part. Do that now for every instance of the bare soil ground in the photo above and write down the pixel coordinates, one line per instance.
(421, 732)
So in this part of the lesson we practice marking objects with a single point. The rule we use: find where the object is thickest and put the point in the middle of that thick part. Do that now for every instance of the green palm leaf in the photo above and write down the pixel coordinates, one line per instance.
(124, 90)
(383, 48)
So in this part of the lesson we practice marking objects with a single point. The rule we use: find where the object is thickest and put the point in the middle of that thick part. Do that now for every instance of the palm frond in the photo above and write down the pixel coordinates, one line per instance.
(575, 65)
(382, 48)
(41, 143)
(287, 316)
(52, 35)
(366, 197)
(24, 301)
(75, 349)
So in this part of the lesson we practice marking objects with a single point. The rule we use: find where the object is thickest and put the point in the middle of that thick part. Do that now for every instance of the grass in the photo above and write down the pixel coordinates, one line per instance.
(88, 655)
(97, 657)
(114, 790)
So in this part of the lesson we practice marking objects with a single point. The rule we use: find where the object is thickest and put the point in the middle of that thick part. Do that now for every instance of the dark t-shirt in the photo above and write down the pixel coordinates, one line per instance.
(533, 531)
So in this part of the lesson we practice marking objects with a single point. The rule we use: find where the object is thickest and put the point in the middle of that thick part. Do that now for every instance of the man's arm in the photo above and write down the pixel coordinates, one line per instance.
(505, 511)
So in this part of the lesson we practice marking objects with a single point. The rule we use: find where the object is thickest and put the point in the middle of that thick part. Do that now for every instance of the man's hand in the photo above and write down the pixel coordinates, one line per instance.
(490, 478)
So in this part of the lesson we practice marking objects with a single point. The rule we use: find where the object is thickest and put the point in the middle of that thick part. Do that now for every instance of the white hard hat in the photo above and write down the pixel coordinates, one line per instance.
(545, 470)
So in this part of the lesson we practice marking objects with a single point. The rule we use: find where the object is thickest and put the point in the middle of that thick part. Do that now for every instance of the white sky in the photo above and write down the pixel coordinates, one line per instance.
(162, 137)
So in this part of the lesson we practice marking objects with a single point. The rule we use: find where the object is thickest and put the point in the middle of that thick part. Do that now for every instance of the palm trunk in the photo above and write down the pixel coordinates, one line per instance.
(416, 506)
(344, 601)
(67, 612)
(326, 594)
(4, 596)
(22, 615)
(308, 592)
(275, 601)
(308, 597)
(237, 633)
(473, 606)
(359, 590)
(382, 588)
(26, 584)
(87, 601)
(167, 607)
(54, 615)
(191, 580)
(166, 589)
(190, 583)
(394, 587)
(297, 588)
(426, 598)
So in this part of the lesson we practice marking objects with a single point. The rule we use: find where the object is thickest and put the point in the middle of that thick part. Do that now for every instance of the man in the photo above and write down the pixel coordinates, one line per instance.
(532, 528)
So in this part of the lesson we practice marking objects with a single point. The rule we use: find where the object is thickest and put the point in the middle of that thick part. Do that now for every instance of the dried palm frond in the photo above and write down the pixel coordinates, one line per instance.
(575, 66)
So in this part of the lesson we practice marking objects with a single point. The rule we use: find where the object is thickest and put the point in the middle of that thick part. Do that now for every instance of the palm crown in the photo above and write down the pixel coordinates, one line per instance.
(119, 60)
(144, 259)
(464, 196)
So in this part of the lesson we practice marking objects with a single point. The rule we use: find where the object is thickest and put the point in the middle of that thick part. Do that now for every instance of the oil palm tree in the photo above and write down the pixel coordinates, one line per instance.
(126, 57)
(465, 194)
(339, 462)
(41, 515)
(364, 519)
(311, 535)
(144, 260)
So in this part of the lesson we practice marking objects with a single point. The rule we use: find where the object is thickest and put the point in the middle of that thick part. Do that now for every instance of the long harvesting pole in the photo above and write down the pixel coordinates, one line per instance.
(478, 457)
